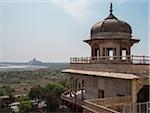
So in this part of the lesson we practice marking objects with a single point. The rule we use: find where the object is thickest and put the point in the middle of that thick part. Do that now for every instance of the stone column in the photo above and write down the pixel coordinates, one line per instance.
(114, 53)
(82, 88)
(134, 90)
(106, 52)
(92, 51)
(118, 51)
(77, 84)
(134, 94)
(101, 50)
(70, 86)
(128, 54)
(75, 87)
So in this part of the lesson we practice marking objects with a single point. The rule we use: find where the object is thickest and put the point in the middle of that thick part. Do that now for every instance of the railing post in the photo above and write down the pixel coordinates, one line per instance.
(70, 60)
(143, 59)
(87, 61)
(132, 59)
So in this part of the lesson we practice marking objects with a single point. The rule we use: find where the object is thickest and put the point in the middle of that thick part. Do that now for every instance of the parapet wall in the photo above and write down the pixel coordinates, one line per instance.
(120, 68)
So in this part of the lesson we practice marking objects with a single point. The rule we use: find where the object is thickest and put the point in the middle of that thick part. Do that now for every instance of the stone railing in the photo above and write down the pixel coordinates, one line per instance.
(87, 105)
(95, 108)
(109, 105)
(100, 105)
(112, 101)
(143, 107)
(111, 59)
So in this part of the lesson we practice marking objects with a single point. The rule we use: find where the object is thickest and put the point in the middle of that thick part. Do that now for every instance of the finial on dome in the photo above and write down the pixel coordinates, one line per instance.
(111, 10)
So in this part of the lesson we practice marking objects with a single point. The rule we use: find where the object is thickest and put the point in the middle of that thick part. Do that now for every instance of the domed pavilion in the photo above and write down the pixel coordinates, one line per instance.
(111, 37)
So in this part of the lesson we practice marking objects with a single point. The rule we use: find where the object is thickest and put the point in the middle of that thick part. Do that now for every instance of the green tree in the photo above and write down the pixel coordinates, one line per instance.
(25, 106)
(55, 88)
(23, 98)
(52, 103)
(51, 93)
(36, 92)
(64, 83)
(6, 90)
(54, 91)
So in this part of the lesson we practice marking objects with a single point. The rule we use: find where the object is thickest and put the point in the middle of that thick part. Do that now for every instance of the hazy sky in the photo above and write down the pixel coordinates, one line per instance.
(53, 30)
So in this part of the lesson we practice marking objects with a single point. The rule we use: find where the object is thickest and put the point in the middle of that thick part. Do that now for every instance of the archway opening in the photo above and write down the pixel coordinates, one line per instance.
(143, 98)
(143, 95)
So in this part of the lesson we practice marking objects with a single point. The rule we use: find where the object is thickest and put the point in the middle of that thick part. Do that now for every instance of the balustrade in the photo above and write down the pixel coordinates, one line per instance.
(111, 59)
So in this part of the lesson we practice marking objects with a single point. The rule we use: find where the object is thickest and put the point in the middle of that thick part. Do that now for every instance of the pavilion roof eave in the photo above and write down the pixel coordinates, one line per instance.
(102, 74)
(132, 40)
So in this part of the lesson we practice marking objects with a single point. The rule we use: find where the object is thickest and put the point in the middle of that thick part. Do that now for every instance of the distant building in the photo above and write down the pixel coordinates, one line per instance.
(35, 62)
(111, 80)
